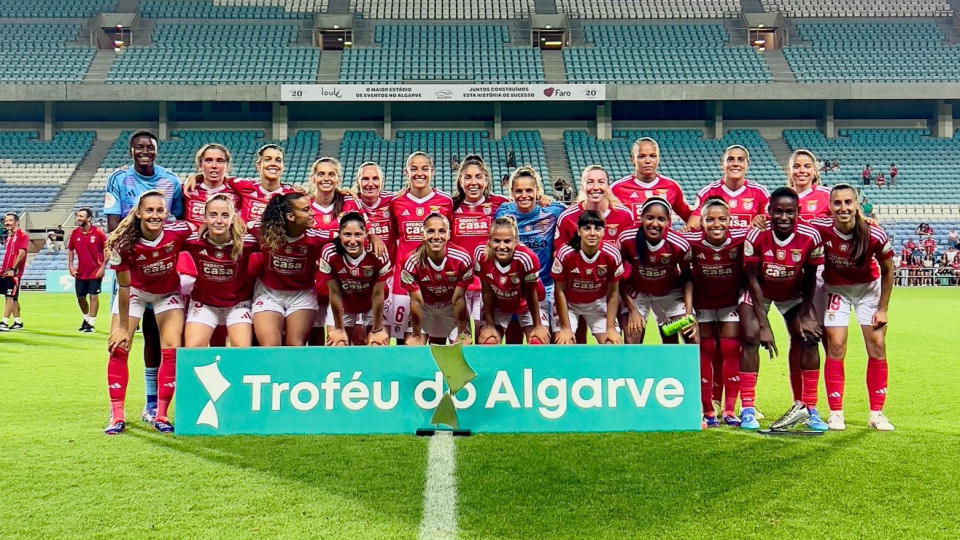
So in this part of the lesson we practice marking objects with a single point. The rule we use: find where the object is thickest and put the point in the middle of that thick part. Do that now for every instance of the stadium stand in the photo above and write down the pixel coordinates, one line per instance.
(178, 155)
(927, 166)
(236, 9)
(441, 9)
(662, 54)
(36, 271)
(360, 146)
(32, 172)
(477, 54)
(873, 52)
(54, 9)
(650, 9)
(42, 53)
(227, 53)
(903, 229)
(858, 8)
(686, 156)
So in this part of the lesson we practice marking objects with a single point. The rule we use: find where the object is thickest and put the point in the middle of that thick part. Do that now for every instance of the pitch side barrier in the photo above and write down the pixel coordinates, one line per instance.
(477, 389)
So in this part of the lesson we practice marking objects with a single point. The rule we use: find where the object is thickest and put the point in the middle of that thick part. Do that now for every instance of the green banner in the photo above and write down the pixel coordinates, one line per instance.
(498, 389)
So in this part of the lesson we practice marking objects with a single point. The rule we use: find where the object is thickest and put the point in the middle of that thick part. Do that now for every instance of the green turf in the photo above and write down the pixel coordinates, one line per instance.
(61, 477)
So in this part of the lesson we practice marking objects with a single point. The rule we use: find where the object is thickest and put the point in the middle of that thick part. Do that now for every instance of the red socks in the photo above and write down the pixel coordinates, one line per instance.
(833, 381)
(708, 350)
(748, 389)
(166, 378)
(118, 374)
(877, 382)
(811, 378)
(730, 351)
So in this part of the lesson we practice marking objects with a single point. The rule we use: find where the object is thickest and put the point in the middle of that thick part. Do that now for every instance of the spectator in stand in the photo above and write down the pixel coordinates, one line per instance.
(58, 237)
(866, 175)
(929, 245)
(953, 238)
(867, 208)
(51, 243)
(951, 252)
(922, 229)
(835, 166)
(511, 159)
(101, 225)
(927, 271)
(956, 268)
(899, 271)
(504, 181)
(880, 179)
(893, 174)
(455, 164)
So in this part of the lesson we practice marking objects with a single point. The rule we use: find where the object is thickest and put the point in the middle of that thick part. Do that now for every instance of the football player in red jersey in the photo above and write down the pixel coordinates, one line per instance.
(474, 206)
(436, 276)
(747, 199)
(645, 182)
(858, 271)
(284, 299)
(144, 250)
(781, 263)
(222, 293)
(213, 166)
(356, 279)
(656, 261)
(511, 285)
(594, 195)
(716, 269)
(586, 275)
(408, 210)
(374, 204)
(804, 178)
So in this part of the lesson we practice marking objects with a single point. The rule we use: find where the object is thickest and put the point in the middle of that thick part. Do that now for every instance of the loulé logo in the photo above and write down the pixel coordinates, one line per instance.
(215, 384)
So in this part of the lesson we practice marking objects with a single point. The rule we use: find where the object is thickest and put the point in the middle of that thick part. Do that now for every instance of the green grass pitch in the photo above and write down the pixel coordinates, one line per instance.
(60, 477)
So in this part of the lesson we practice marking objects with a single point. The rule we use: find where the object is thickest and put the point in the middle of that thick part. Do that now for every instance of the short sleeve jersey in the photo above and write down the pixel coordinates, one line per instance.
(88, 245)
(633, 192)
(537, 229)
(153, 264)
(471, 222)
(747, 202)
(508, 282)
(716, 272)
(16, 241)
(378, 222)
(193, 203)
(658, 270)
(840, 268)
(325, 218)
(124, 188)
(587, 279)
(292, 266)
(356, 277)
(437, 282)
(408, 214)
(781, 263)
(617, 219)
(814, 203)
(254, 198)
(221, 281)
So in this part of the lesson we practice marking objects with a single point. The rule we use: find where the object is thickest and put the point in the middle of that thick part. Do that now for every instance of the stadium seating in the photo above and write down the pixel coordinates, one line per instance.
(441, 9)
(903, 229)
(858, 8)
(32, 172)
(650, 9)
(477, 54)
(873, 52)
(44, 260)
(685, 156)
(360, 146)
(926, 165)
(218, 53)
(229, 9)
(42, 53)
(178, 155)
(662, 54)
(54, 9)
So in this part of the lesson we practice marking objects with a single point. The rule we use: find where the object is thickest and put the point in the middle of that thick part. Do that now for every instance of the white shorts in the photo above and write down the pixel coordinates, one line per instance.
(548, 310)
(186, 287)
(819, 295)
(219, 316)
(502, 318)
(349, 319)
(474, 300)
(396, 309)
(864, 298)
(140, 299)
(594, 313)
(282, 302)
(782, 307)
(727, 314)
(438, 321)
(664, 308)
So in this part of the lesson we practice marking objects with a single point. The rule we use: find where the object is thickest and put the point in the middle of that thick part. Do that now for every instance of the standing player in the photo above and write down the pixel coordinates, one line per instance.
(124, 188)
(586, 273)
(14, 263)
(408, 210)
(356, 280)
(474, 206)
(436, 275)
(594, 195)
(509, 275)
(143, 251)
(221, 295)
(256, 193)
(858, 272)
(374, 203)
(657, 280)
(213, 166)
(781, 263)
(284, 299)
(747, 199)
(717, 275)
(804, 177)
(87, 243)
(646, 182)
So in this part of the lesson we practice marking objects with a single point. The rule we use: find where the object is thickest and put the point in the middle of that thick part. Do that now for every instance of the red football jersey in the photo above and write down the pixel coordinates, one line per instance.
(355, 277)
(408, 213)
(745, 203)
(586, 279)
(89, 249)
(291, 267)
(254, 198)
(661, 269)
(781, 263)
(221, 281)
(716, 272)
(617, 219)
(839, 266)
(508, 282)
(16, 241)
(193, 203)
(326, 220)
(153, 265)
(437, 282)
(471, 225)
(379, 221)
(815, 203)
(633, 192)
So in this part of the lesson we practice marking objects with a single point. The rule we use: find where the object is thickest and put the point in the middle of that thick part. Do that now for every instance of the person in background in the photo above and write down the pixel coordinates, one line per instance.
(953, 238)
(58, 236)
(893, 174)
(929, 245)
(867, 208)
(87, 243)
(14, 262)
(881, 181)
(866, 175)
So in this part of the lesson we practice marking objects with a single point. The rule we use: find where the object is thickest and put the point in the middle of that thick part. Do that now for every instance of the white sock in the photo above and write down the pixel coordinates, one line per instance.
(91, 320)
(86, 318)
(17, 320)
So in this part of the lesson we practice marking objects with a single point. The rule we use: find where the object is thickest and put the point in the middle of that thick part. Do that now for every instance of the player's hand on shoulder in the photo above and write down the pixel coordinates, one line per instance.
(759, 221)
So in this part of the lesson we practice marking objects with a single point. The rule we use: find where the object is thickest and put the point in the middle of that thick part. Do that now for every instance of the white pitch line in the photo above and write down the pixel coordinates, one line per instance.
(440, 494)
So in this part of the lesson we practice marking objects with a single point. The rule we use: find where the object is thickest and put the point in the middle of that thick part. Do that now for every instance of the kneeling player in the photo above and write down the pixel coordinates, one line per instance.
(586, 274)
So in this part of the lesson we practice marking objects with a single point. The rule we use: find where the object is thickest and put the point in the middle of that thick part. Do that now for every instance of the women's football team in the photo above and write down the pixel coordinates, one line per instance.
(260, 262)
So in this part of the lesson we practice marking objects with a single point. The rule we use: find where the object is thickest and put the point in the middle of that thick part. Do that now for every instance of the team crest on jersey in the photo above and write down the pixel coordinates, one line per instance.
(354, 272)
(748, 204)
(664, 258)
(648, 193)
(168, 248)
(613, 231)
(653, 259)
(781, 254)
(438, 277)
(515, 279)
(156, 253)
(527, 228)
(716, 256)
(420, 212)
(811, 206)
(451, 276)
(287, 250)
(503, 280)
(732, 203)
(218, 254)
(93, 239)
(844, 247)
(796, 255)
(601, 270)
(557, 266)
(367, 271)
(326, 218)
(589, 271)
(661, 193)
(487, 209)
